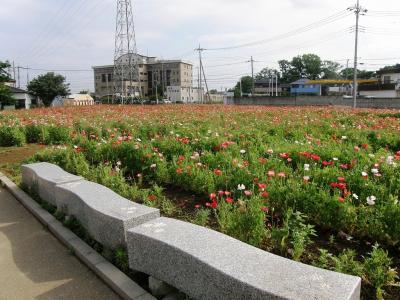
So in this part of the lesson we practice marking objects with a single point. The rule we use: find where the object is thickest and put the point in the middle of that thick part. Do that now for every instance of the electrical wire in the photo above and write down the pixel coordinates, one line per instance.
(333, 18)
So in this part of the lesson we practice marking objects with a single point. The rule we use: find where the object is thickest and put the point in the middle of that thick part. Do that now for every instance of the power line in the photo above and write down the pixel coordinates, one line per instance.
(333, 18)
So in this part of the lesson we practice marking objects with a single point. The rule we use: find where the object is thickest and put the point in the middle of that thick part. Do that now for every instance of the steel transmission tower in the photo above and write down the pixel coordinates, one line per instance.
(126, 60)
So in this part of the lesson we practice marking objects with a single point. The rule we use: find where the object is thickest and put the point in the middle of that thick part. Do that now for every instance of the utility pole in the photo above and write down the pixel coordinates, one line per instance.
(347, 73)
(14, 73)
(27, 76)
(358, 10)
(252, 61)
(276, 76)
(19, 78)
(200, 50)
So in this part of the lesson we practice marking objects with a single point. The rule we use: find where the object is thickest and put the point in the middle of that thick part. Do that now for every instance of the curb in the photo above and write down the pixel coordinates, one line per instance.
(112, 276)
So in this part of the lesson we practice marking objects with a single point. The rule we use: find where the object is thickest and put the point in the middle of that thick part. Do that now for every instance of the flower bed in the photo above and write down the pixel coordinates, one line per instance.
(305, 183)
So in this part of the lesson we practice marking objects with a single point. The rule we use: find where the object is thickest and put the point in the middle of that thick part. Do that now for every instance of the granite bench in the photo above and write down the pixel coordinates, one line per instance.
(206, 264)
(43, 177)
(104, 214)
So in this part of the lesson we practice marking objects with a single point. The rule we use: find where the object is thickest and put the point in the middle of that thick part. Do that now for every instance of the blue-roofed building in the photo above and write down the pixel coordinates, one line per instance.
(301, 87)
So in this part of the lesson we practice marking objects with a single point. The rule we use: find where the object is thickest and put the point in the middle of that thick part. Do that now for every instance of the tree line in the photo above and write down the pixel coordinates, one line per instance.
(309, 66)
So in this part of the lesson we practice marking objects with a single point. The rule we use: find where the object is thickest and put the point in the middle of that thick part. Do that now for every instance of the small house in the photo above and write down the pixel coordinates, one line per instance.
(302, 87)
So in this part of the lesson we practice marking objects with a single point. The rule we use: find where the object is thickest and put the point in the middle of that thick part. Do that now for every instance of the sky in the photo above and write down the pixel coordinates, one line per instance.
(71, 36)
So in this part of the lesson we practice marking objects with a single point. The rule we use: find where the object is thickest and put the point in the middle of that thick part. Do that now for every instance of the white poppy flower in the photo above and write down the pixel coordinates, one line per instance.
(371, 200)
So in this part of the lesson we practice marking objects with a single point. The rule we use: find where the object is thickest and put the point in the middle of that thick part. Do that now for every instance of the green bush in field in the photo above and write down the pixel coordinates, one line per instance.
(58, 135)
(36, 134)
(11, 136)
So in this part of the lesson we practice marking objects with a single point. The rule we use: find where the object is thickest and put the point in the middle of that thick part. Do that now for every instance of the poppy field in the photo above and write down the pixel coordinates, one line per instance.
(317, 185)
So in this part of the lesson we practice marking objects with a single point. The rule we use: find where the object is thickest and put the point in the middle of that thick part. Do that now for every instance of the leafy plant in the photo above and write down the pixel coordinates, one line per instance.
(378, 270)
(11, 136)
(202, 217)
(346, 263)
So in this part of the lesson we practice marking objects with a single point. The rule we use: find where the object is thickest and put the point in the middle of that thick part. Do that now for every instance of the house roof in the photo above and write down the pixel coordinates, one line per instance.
(18, 90)
(301, 81)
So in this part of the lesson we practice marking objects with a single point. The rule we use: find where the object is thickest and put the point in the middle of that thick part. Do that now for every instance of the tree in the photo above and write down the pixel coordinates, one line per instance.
(348, 73)
(48, 86)
(330, 70)
(213, 92)
(6, 97)
(302, 66)
(84, 92)
(247, 86)
(394, 68)
(266, 73)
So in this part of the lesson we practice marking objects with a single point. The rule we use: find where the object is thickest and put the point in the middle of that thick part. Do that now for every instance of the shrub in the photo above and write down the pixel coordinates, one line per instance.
(346, 263)
(201, 217)
(245, 220)
(11, 136)
(36, 134)
(58, 135)
(378, 270)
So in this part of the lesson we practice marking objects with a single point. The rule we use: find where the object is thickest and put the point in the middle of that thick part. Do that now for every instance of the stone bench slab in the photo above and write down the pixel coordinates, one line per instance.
(104, 214)
(43, 177)
(206, 264)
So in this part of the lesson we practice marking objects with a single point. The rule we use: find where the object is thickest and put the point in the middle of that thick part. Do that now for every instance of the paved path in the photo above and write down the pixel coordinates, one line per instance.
(35, 265)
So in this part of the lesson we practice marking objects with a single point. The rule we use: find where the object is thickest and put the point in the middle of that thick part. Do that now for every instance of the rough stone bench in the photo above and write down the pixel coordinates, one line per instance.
(104, 214)
(43, 177)
(206, 264)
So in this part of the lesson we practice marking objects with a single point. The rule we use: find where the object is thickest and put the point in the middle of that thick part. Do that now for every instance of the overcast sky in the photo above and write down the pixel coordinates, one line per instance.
(78, 34)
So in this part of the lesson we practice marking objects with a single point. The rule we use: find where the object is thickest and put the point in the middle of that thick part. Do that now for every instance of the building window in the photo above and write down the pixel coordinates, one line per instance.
(387, 79)
(103, 78)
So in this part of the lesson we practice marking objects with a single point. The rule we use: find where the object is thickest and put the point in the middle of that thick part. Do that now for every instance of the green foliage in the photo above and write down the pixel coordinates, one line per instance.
(121, 259)
(378, 270)
(48, 86)
(11, 136)
(202, 217)
(36, 134)
(244, 220)
(293, 233)
(266, 73)
(4, 75)
(57, 135)
(302, 66)
(324, 259)
(6, 97)
(247, 86)
(346, 263)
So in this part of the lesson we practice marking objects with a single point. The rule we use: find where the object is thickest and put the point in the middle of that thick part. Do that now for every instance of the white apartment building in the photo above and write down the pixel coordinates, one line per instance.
(184, 94)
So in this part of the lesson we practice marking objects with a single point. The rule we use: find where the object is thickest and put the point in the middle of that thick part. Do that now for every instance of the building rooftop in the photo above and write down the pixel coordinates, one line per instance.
(17, 90)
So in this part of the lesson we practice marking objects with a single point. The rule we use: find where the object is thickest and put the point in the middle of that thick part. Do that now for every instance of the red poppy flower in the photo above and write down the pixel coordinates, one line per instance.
(152, 197)
(284, 155)
(262, 186)
(364, 146)
(217, 172)
(265, 209)
(341, 200)
(315, 157)
(214, 204)
(179, 171)
(341, 179)
(213, 196)
(265, 195)
(229, 200)
(327, 163)
(197, 206)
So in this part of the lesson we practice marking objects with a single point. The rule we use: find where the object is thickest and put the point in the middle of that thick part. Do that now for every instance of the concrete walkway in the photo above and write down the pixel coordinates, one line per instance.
(35, 265)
